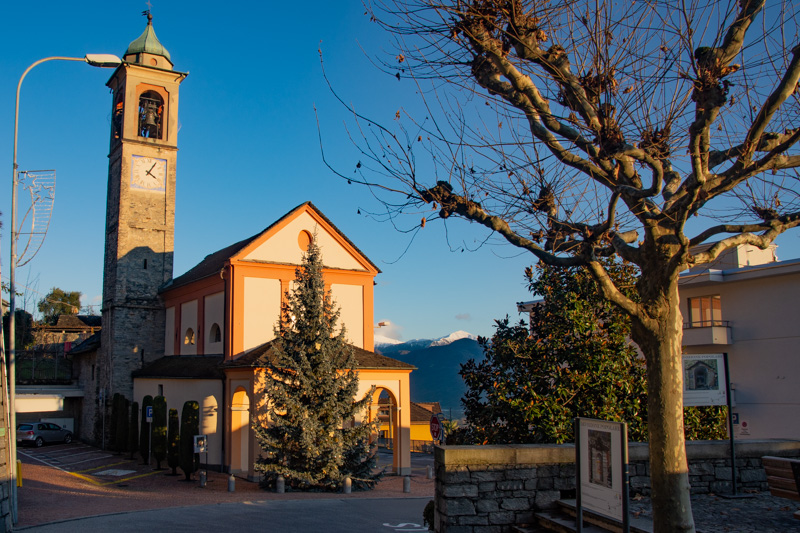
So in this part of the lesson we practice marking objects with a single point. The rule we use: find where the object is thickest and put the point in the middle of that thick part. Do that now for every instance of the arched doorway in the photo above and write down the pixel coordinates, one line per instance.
(385, 408)
(240, 432)
(208, 426)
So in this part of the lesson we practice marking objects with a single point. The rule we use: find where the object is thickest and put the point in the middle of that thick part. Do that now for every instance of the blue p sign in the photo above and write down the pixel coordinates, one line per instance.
(148, 413)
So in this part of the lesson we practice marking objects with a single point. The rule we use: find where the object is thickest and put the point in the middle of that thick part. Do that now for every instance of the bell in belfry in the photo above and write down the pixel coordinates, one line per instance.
(150, 123)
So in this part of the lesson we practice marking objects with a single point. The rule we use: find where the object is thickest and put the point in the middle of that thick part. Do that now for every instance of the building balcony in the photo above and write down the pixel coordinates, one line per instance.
(707, 333)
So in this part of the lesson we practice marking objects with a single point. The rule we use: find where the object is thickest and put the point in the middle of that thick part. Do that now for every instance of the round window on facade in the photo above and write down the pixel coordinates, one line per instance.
(303, 240)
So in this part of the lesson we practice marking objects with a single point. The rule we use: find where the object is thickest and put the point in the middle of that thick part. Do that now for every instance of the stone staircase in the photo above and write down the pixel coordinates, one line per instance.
(562, 520)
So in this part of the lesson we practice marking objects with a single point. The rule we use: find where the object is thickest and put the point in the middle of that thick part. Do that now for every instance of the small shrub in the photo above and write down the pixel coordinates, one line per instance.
(190, 426)
(174, 442)
(159, 430)
(112, 422)
(133, 431)
(428, 515)
(122, 424)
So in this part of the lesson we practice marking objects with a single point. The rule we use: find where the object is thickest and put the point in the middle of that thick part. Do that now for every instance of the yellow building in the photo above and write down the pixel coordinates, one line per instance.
(220, 321)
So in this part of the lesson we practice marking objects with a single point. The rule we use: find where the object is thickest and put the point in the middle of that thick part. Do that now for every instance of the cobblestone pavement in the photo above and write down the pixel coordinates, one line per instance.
(763, 513)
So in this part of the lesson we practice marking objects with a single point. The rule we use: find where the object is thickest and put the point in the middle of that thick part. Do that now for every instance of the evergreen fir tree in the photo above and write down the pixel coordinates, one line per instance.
(312, 438)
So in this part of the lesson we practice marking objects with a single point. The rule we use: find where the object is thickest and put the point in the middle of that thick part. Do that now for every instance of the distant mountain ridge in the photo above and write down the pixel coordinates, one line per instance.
(438, 362)
(418, 344)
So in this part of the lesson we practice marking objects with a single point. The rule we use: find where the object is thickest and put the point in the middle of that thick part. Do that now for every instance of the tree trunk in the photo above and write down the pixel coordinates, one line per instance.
(659, 338)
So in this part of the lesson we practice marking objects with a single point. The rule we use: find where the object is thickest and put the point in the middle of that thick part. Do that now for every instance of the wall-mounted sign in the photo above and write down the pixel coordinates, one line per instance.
(704, 379)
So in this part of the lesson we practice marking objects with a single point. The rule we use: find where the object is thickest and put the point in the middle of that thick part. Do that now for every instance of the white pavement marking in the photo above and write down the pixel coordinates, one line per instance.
(85, 461)
(52, 460)
(114, 472)
(92, 452)
(405, 526)
(35, 458)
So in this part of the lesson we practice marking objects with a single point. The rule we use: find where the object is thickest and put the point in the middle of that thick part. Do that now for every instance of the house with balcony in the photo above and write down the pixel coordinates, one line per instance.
(745, 304)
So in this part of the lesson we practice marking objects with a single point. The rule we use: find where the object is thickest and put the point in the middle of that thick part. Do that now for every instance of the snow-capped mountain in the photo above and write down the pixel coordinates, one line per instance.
(455, 336)
(419, 344)
(438, 362)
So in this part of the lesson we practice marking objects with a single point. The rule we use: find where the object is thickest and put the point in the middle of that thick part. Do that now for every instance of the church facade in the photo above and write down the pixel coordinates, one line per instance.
(206, 335)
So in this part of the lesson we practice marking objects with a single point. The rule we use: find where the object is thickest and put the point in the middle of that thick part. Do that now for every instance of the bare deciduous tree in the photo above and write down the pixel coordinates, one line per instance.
(577, 130)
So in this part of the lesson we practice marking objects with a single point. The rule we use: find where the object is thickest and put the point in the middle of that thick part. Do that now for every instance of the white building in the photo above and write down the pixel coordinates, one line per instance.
(745, 304)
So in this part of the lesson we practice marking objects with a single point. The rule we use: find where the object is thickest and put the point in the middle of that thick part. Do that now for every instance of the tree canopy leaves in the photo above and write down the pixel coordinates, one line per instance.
(59, 302)
(574, 359)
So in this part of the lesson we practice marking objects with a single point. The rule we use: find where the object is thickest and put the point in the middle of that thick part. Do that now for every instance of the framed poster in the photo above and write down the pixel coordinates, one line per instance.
(704, 379)
(602, 467)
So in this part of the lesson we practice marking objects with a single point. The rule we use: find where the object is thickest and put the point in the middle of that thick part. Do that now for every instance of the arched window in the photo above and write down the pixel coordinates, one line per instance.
(151, 115)
(216, 333)
(117, 114)
(189, 337)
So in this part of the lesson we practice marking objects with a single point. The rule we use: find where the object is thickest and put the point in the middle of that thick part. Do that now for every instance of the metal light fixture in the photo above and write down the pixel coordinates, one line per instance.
(95, 60)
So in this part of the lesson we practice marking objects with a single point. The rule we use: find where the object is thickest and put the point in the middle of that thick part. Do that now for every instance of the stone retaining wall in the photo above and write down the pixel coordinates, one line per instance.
(487, 489)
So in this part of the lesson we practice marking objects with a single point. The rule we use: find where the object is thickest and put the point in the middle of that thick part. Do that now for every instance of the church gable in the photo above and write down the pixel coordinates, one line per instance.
(285, 242)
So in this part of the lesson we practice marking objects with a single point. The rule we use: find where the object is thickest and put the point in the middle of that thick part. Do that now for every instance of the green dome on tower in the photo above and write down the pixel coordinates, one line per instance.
(147, 42)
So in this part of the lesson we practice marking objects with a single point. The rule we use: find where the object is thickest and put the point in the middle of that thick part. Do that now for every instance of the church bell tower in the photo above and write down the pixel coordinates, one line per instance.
(140, 212)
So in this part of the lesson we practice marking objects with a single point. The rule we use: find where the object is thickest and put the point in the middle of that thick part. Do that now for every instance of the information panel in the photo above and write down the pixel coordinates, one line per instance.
(601, 467)
(704, 379)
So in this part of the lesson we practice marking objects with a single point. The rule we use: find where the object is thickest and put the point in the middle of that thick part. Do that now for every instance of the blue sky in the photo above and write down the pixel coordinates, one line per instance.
(249, 147)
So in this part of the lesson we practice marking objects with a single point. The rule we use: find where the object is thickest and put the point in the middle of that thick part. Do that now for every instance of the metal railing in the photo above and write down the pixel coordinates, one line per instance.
(420, 446)
(43, 366)
(706, 324)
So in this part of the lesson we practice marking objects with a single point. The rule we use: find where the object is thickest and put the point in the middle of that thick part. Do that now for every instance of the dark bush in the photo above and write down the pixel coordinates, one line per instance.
(133, 429)
(159, 430)
(190, 426)
(174, 442)
(112, 422)
(122, 424)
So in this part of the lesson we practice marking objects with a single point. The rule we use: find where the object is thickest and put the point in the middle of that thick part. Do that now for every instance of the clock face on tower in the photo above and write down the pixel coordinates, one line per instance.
(148, 173)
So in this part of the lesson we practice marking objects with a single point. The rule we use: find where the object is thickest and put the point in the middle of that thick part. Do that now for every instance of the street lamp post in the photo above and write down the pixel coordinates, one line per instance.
(95, 60)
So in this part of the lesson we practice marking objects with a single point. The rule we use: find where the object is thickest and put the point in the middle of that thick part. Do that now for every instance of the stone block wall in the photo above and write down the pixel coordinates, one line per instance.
(488, 489)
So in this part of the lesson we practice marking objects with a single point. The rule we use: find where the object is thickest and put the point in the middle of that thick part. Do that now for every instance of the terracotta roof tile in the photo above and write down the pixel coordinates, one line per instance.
(78, 321)
(263, 356)
(88, 345)
(183, 366)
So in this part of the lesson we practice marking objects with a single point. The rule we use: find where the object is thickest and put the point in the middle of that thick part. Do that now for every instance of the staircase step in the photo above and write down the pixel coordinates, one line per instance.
(637, 524)
(561, 523)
